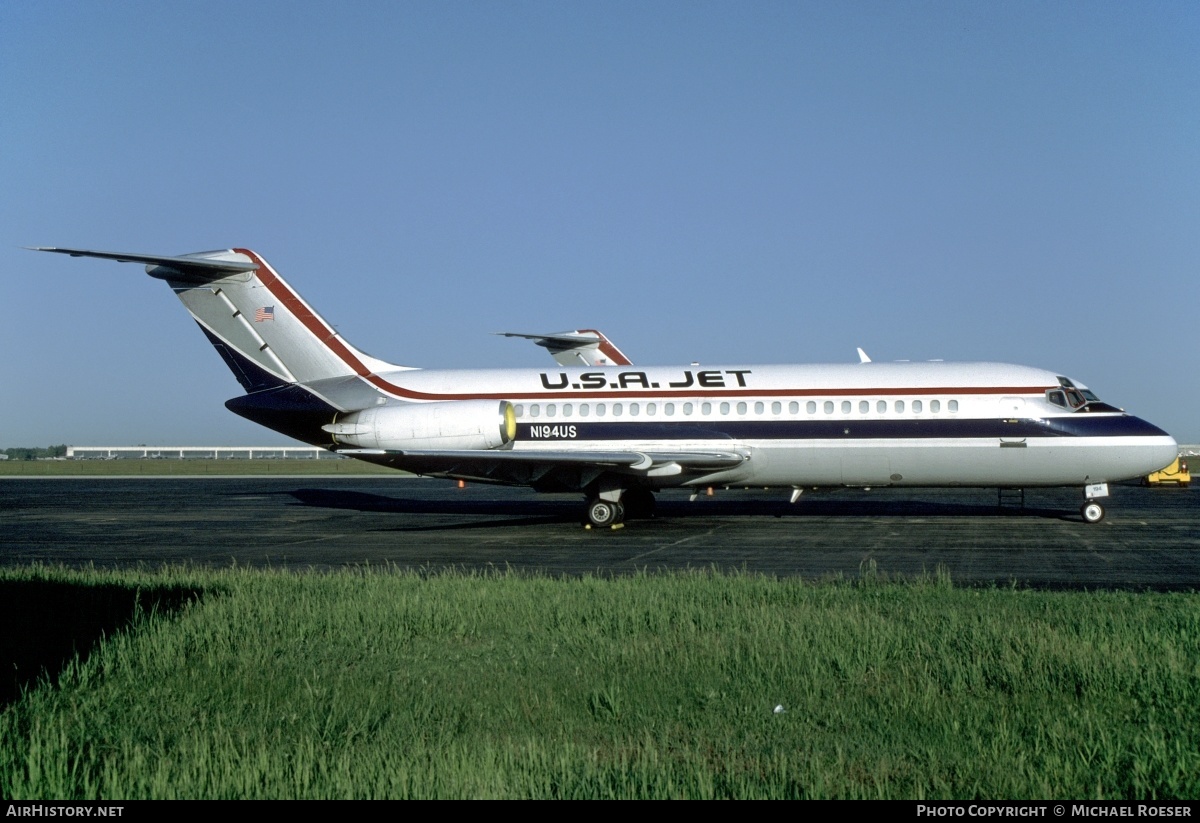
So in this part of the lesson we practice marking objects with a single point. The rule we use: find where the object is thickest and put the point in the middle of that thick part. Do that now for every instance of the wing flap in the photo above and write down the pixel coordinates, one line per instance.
(530, 465)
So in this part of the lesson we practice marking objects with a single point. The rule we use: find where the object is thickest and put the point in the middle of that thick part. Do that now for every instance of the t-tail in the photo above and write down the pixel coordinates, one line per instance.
(296, 369)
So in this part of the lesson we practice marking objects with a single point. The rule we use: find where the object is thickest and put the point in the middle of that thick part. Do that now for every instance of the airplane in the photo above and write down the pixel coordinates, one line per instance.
(618, 435)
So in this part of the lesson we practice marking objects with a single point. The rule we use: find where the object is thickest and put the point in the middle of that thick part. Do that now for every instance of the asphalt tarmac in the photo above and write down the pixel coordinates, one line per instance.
(1150, 539)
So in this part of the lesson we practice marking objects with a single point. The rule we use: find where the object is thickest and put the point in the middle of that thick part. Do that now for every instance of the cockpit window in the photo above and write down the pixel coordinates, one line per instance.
(1077, 398)
(1067, 398)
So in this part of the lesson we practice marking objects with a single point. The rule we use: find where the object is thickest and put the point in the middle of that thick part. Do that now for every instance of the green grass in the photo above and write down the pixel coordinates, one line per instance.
(375, 683)
(198, 467)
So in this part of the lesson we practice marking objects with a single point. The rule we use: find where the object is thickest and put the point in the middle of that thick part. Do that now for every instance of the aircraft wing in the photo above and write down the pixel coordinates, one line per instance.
(535, 466)
(582, 347)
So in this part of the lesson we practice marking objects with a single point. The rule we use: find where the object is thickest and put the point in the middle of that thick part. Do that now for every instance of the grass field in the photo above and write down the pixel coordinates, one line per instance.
(376, 683)
(146, 468)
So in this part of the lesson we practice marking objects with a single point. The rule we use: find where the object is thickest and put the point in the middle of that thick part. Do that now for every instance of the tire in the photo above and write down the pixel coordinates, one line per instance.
(1092, 512)
(601, 513)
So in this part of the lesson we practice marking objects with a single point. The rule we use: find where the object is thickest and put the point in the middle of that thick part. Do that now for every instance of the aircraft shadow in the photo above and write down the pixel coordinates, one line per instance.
(47, 624)
(367, 502)
(569, 509)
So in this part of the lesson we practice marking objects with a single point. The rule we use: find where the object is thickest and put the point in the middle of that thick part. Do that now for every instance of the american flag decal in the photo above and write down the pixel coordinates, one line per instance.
(264, 313)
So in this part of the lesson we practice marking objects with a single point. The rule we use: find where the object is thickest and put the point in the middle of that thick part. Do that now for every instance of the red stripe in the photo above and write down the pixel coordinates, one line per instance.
(326, 335)
(683, 394)
(610, 351)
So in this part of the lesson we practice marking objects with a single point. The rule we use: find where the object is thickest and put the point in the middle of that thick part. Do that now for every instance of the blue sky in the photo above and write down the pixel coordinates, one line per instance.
(725, 182)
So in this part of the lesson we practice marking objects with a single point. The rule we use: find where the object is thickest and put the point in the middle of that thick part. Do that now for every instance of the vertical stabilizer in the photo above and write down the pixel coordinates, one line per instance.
(263, 329)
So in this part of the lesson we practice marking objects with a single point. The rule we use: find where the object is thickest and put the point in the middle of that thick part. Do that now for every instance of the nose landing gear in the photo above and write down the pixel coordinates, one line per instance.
(1092, 512)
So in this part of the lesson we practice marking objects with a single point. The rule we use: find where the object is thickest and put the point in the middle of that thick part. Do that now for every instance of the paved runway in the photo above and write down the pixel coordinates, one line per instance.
(1150, 539)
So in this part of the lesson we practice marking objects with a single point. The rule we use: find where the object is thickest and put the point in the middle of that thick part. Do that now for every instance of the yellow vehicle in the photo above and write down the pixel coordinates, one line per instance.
(1176, 473)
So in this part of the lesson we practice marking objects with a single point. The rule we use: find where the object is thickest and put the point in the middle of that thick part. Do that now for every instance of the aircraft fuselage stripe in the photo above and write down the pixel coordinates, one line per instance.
(587, 429)
(830, 393)
(328, 337)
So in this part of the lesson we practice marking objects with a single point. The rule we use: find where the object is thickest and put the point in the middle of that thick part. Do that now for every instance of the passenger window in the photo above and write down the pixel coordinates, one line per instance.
(793, 407)
(616, 409)
(935, 406)
(900, 406)
(687, 408)
(741, 408)
(535, 410)
(583, 410)
(952, 406)
(551, 409)
(724, 408)
(567, 409)
(881, 407)
(651, 408)
(633, 409)
(864, 406)
(776, 407)
(917, 406)
(599, 409)
(811, 407)
(846, 406)
(706, 408)
(519, 410)
(829, 407)
(758, 408)
(669, 409)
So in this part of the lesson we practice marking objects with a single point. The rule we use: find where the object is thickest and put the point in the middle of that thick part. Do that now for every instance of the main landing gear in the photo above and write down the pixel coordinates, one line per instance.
(603, 512)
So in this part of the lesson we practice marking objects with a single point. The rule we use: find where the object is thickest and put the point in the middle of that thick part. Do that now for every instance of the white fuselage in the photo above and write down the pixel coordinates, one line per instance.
(866, 424)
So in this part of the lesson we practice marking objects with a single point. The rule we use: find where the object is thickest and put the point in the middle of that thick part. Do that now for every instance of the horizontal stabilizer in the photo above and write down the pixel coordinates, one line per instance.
(582, 347)
(201, 266)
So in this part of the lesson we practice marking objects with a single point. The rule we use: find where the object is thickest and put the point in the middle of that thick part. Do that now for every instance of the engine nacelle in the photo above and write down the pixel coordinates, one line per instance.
(455, 424)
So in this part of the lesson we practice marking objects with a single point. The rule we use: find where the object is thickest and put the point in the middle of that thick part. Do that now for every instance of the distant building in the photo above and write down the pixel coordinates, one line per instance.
(200, 453)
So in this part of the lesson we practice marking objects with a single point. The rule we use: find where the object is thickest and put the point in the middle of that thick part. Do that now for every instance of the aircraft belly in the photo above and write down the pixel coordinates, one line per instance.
(957, 462)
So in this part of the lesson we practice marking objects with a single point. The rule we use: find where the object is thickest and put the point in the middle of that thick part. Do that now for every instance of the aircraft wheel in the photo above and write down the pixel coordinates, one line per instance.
(1092, 512)
(601, 513)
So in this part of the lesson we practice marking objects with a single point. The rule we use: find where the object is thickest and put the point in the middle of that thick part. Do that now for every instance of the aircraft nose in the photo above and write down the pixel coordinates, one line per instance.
(1158, 450)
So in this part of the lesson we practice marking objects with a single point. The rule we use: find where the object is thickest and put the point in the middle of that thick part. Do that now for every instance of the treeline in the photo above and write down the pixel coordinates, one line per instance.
(23, 453)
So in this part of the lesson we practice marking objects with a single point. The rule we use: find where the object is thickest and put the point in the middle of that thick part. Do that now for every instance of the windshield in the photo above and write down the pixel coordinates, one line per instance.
(1066, 398)
(1077, 397)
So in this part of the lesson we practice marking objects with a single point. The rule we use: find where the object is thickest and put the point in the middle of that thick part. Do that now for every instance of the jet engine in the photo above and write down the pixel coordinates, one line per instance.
(456, 424)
